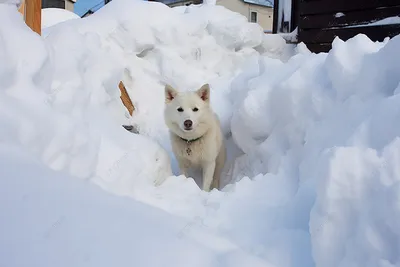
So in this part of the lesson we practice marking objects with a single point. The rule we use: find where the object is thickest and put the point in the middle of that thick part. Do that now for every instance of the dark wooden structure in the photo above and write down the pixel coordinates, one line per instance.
(280, 25)
(320, 21)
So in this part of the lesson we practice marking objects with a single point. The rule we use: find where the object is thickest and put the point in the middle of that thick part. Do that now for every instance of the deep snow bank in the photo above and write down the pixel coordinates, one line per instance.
(324, 127)
(184, 47)
(53, 106)
(56, 220)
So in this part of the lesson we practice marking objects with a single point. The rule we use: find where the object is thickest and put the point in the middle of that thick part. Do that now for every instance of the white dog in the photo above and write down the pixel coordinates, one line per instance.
(195, 133)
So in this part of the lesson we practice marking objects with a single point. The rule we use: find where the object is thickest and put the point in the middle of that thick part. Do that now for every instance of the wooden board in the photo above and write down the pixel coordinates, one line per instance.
(333, 6)
(126, 100)
(375, 33)
(33, 15)
(349, 18)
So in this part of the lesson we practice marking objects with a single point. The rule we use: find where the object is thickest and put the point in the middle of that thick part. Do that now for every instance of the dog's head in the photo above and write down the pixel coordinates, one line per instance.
(187, 114)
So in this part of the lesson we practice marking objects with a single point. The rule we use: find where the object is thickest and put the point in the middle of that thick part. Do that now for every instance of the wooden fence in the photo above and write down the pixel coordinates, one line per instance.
(320, 21)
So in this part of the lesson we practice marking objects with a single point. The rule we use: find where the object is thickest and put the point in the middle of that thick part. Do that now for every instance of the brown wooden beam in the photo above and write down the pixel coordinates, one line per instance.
(33, 15)
(126, 100)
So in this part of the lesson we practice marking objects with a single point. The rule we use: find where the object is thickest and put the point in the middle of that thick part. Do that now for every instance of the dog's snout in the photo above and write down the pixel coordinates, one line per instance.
(188, 124)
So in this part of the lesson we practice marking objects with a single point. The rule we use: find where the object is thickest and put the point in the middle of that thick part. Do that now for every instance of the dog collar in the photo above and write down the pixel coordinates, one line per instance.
(190, 140)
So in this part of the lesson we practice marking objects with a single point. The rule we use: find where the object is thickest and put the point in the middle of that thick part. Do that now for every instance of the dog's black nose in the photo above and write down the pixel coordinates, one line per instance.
(188, 124)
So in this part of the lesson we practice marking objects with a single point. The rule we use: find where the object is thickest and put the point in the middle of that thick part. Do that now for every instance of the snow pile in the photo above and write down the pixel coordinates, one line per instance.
(323, 129)
(75, 224)
(55, 108)
(317, 137)
(64, 105)
(186, 49)
(53, 16)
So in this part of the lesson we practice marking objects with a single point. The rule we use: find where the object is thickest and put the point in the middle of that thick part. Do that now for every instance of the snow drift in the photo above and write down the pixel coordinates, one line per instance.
(316, 178)
(53, 16)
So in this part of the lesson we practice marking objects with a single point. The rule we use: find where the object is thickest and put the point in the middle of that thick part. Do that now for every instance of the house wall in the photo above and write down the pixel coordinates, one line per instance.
(264, 14)
(69, 6)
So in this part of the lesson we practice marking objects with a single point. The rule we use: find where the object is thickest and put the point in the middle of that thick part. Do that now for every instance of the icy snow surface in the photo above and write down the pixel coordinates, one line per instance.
(313, 172)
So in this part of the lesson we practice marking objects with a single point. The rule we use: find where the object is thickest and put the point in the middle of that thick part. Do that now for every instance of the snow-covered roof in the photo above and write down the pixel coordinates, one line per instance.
(268, 3)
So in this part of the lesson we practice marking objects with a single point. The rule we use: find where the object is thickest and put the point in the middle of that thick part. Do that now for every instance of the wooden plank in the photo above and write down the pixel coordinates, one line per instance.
(330, 6)
(33, 15)
(126, 100)
(375, 33)
(350, 18)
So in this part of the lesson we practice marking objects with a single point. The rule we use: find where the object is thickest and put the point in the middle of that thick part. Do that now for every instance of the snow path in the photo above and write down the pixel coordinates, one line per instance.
(83, 226)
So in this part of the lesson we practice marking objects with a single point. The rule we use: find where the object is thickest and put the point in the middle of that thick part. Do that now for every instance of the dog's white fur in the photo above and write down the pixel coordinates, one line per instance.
(206, 148)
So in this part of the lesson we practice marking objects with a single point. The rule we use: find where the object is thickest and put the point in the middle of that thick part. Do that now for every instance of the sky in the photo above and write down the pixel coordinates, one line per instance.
(81, 6)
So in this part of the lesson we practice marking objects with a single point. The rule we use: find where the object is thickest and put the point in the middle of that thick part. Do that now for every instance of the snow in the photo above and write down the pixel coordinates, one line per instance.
(339, 15)
(210, 2)
(312, 177)
(290, 37)
(83, 226)
(52, 16)
(11, 2)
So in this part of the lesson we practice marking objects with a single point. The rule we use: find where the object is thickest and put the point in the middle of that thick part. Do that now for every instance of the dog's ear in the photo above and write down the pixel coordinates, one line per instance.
(170, 93)
(204, 92)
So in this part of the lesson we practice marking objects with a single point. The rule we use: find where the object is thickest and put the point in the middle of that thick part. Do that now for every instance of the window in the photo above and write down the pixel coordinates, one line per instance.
(53, 4)
(253, 16)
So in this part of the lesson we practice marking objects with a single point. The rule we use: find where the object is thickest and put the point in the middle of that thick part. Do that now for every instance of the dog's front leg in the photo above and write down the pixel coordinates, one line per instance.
(183, 168)
(208, 175)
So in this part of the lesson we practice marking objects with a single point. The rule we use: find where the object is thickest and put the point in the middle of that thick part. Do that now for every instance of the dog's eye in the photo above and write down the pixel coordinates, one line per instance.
(195, 109)
(180, 109)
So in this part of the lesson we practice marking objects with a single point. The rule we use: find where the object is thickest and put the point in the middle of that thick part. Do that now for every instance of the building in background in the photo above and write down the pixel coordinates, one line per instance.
(256, 11)
(63, 4)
